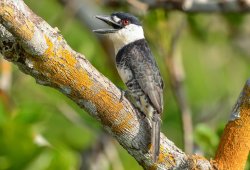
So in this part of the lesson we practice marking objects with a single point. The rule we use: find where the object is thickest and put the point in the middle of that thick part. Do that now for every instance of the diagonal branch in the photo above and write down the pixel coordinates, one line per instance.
(234, 145)
(40, 51)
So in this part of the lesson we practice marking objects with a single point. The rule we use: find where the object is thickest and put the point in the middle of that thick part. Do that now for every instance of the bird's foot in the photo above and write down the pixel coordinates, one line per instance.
(124, 93)
(127, 94)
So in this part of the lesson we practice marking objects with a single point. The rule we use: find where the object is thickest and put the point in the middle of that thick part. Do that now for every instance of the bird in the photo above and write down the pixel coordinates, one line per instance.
(137, 68)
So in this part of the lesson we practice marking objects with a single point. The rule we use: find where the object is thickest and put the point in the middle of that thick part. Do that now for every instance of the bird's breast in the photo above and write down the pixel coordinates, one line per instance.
(125, 73)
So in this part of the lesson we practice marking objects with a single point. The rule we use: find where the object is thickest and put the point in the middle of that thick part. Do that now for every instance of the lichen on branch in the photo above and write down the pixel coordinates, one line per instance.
(40, 51)
(234, 145)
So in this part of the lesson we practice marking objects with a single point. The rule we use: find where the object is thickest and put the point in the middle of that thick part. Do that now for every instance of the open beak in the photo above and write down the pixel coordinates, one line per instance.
(109, 21)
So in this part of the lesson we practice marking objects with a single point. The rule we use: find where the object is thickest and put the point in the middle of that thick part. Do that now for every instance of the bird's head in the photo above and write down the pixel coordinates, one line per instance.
(125, 28)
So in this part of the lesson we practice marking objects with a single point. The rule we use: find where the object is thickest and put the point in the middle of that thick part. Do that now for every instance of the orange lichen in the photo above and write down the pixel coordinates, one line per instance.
(234, 146)
(22, 26)
(64, 58)
(85, 82)
(164, 158)
(59, 38)
(124, 124)
(50, 50)
(108, 109)
(195, 160)
(7, 13)
(26, 30)
(110, 112)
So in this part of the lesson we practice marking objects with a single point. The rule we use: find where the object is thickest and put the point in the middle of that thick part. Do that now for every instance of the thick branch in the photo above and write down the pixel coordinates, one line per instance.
(41, 52)
(234, 146)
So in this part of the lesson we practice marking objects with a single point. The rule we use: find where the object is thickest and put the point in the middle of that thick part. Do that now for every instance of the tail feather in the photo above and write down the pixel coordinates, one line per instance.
(155, 136)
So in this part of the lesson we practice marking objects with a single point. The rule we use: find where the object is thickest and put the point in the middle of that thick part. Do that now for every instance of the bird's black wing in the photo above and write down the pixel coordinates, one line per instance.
(146, 73)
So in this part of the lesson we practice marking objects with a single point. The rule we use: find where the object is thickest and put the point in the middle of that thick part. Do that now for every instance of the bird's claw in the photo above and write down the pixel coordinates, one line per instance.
(124, 93)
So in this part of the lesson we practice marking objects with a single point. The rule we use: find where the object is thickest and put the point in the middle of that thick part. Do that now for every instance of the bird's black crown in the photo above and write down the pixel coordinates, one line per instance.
(123, 15)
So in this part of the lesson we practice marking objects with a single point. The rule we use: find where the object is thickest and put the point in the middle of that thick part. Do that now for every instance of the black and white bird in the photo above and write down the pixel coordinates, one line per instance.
(137, 68)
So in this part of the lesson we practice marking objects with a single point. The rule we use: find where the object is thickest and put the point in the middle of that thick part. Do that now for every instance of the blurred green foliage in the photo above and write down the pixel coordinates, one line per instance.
(216, 69)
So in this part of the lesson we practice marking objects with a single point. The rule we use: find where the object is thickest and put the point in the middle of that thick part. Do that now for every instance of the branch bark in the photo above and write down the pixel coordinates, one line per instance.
(234, 145)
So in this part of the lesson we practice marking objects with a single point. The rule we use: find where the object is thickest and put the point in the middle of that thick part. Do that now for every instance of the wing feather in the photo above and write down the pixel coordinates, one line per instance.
(147, 75)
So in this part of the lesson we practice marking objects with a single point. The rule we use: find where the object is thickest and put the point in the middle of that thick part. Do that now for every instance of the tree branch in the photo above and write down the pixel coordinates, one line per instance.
(191, 6)
(234, 145)
(40, 51)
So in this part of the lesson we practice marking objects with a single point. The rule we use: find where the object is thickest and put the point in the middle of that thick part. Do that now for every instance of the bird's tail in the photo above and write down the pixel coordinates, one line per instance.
(155, 136)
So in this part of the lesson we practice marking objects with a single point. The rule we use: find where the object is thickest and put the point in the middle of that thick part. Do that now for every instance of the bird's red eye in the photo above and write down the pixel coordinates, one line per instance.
(125, 22)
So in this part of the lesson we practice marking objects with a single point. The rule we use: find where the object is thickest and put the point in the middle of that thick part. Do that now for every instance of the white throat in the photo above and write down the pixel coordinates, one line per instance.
(126, 35)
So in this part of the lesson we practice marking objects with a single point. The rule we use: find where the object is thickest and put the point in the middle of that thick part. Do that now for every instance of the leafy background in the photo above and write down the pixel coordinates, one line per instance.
(37, 130)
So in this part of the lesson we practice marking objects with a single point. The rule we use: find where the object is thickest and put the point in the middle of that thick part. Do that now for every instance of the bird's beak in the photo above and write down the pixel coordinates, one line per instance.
(108, 20)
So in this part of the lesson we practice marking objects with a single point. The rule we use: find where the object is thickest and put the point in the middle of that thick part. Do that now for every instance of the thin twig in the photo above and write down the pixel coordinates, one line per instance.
(138, 5)
(102, 155)
(69, 113)
(177, 78)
